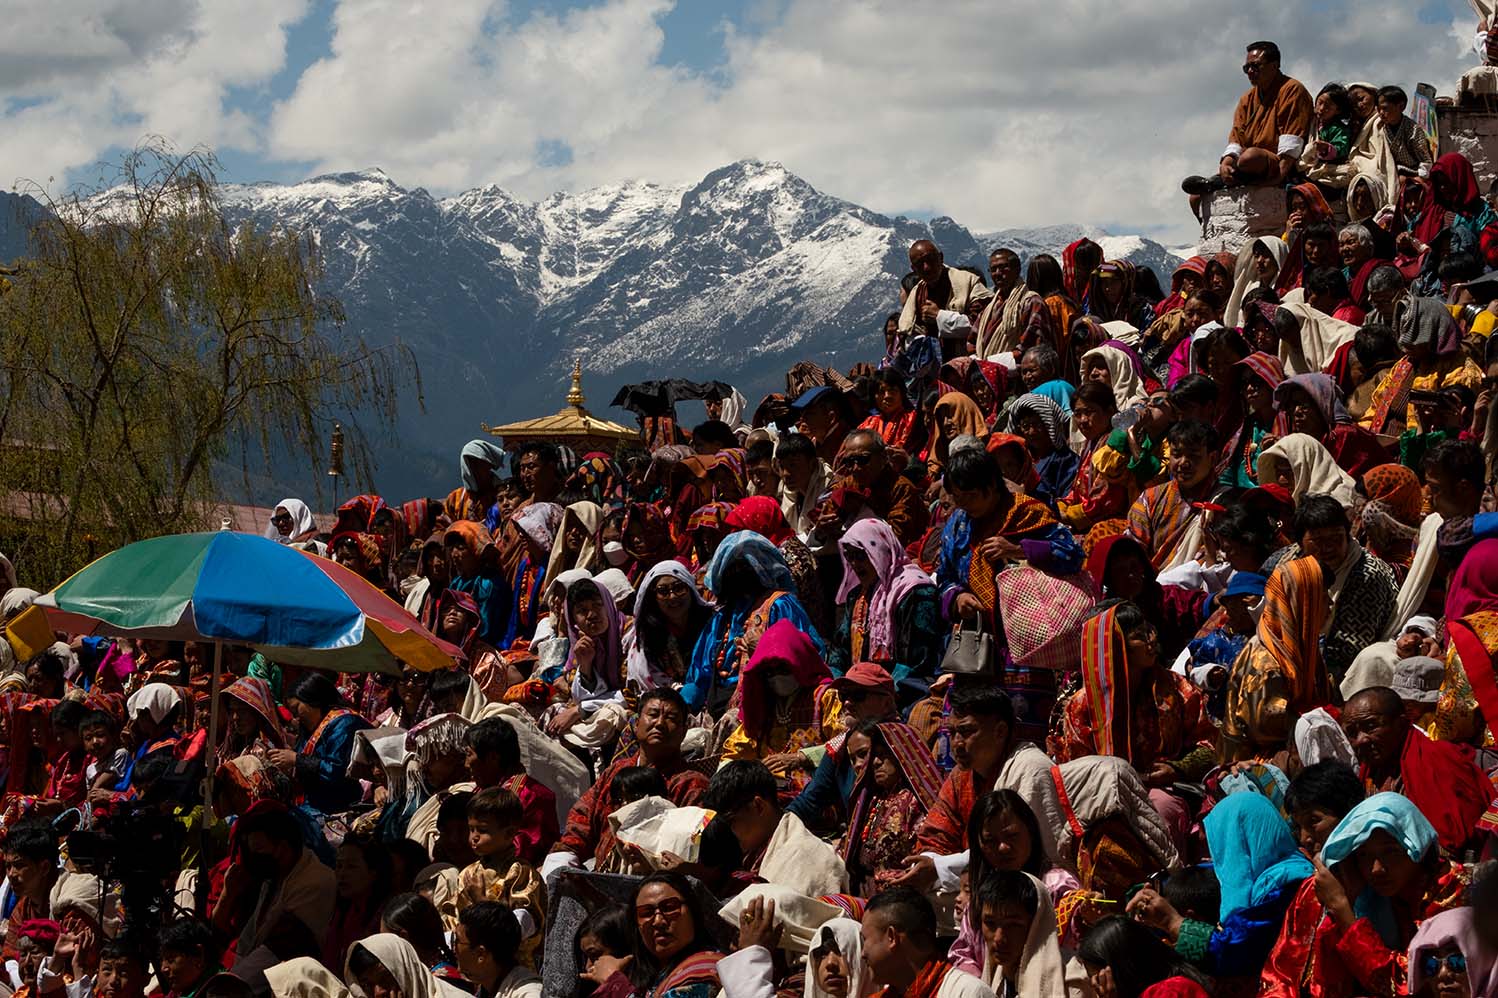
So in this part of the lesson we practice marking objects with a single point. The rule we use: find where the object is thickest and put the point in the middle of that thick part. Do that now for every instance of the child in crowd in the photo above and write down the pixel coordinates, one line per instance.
(67, 772)
(636, 783)
(493, 757)
(1335, 131)
(498, 873)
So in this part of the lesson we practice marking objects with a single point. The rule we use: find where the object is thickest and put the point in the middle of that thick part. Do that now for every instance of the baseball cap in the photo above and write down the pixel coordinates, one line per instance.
(865, 676)
(809, 396)
(1418, 679)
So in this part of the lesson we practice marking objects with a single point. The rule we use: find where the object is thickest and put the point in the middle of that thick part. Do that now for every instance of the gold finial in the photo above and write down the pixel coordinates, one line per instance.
(575, 397)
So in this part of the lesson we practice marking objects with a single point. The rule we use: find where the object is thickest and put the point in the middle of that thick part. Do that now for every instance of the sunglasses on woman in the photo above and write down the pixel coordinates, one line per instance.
(1455, 962)
(670, 908)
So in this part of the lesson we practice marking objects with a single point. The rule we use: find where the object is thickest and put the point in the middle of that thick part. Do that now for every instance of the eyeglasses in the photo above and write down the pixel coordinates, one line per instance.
(671, 590)
(1252, 67)
(853, 696)
(1455, 962)
(281, 518)
(856, 460)
(412, 679)
(669, 908)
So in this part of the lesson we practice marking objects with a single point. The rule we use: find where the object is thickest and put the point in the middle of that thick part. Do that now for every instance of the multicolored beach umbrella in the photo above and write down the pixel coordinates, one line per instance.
(293, 607)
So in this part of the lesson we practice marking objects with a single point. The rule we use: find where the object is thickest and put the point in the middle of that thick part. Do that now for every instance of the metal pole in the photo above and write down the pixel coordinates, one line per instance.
(210, 758)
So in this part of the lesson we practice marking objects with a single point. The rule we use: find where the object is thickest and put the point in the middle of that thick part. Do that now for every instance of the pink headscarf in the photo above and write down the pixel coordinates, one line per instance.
(610, 654)
(898, 577)
(781, 644)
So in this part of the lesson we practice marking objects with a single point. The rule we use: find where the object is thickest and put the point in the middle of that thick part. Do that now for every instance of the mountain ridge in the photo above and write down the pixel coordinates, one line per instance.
(734, 277)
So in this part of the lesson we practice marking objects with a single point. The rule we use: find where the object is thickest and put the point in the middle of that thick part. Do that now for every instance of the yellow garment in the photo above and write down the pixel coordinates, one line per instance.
(515, 884)
(1455, 369)
(741, 745)
(1456, 711)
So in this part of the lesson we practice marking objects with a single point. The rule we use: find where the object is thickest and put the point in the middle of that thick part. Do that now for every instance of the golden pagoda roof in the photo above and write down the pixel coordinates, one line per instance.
(572, 423)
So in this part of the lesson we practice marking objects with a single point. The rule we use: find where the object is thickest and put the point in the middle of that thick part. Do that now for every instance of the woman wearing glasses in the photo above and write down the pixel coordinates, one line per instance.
(669, 615)
(674, 955)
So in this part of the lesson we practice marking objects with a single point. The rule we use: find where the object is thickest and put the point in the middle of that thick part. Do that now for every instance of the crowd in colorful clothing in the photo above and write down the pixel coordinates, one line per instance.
(1092, 641)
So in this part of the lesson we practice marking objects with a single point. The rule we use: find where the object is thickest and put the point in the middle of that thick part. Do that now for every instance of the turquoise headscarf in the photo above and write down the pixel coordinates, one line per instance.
(755, 550)
(1388, 812)
(1253, 851)
(1398, 816)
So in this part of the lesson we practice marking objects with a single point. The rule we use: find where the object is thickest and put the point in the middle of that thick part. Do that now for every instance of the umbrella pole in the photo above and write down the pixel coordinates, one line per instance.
(210, 755)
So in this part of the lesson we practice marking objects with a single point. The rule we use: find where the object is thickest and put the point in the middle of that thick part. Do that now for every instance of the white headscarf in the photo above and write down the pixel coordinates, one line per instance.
(302, 522)
(618, 585)
(400, 958)
(1127, 386)
(1042, 971)
(16, 600)
(637, 663)
(304, 977)
(733, 411)
(849, 938)
(156, 699)
(589, 556)
(1312, 468)
(1319, 737)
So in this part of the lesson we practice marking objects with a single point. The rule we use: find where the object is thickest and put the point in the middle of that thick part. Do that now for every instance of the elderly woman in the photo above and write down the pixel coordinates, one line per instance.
(1301, 465)
(1343, 944)
(754, 587)
(1312, 405)
(388, 966)
(1040, 421)
(956, 415)
(1116, 365)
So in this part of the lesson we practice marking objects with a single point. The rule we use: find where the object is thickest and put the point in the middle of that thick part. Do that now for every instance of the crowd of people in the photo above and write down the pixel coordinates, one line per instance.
(1096, 640)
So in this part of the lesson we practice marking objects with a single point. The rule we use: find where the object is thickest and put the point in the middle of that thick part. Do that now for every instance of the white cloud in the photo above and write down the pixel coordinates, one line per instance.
(114, 71)
(998, 114)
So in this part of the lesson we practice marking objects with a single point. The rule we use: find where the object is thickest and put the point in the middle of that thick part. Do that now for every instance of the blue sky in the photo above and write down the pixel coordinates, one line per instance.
(1056, 111)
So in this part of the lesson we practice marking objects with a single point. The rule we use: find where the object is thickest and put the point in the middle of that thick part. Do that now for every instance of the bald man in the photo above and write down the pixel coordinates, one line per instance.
(943, 300)
(1441, 778)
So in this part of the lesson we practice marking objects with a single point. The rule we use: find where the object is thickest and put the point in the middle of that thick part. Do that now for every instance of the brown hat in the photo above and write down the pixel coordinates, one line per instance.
(866, 676)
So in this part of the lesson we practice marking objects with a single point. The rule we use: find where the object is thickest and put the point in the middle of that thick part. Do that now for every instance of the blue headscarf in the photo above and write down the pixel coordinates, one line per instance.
(755, 550)
(1057, 391)
(1253, 851)
(1397, 815)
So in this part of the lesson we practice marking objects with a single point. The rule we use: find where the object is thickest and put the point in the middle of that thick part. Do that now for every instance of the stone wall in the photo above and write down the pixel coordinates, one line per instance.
(1233, 217)
(1474, 134)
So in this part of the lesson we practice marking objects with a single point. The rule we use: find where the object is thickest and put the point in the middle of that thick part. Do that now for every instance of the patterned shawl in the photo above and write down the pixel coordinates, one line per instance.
(917, 768)
(898, 577)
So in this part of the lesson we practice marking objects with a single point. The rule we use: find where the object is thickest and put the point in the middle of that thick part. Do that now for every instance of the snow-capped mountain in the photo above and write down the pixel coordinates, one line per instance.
(735, 277)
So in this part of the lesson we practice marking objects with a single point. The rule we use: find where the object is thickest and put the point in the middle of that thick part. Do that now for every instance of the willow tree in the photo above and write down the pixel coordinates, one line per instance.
(145, 340)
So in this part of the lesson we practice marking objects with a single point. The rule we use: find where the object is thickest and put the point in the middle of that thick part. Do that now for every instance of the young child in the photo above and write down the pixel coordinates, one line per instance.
(107, 757)
(452, 832)
(493, 756)
(66, 782)
(1332, 139)
(636, 783)
(498, 873)
(602, 944)
(1195, 893)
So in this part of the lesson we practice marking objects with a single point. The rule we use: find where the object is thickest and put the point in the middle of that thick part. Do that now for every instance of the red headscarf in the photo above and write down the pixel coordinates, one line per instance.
(1456, 192)
(762, 515)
